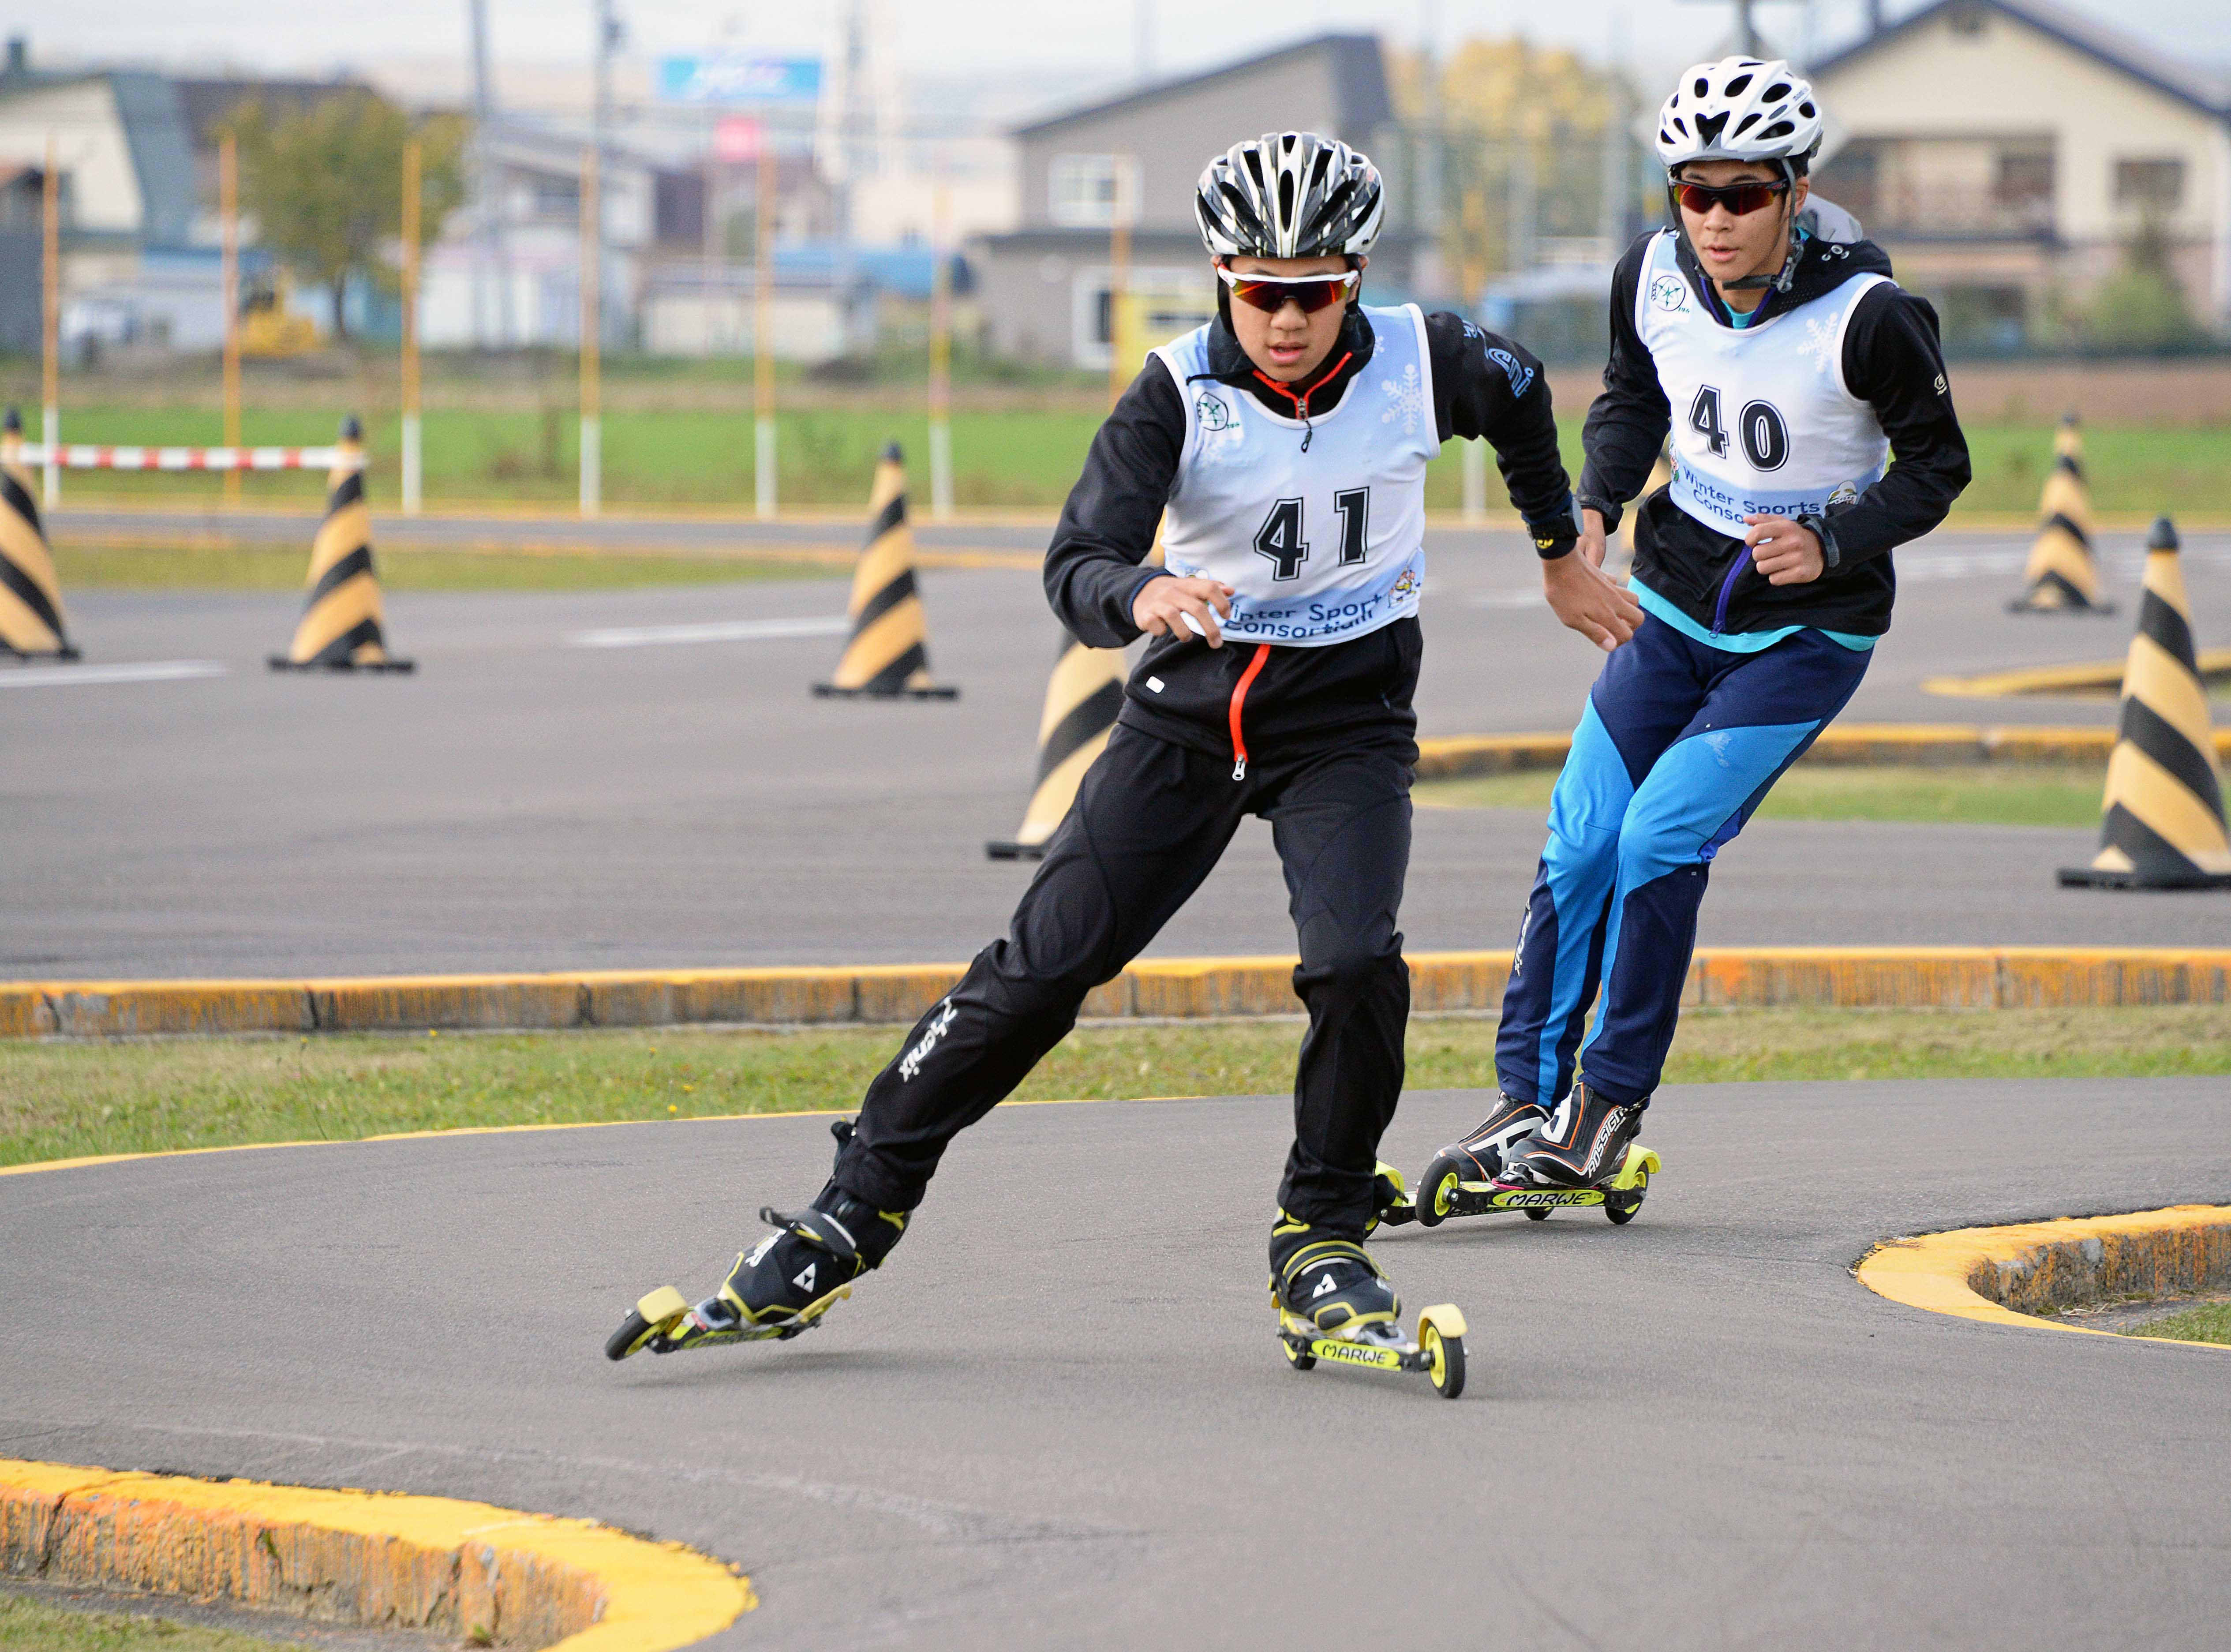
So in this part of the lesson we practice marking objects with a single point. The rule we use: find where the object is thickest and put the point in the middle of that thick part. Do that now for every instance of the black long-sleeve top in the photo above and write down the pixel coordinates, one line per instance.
(1892, 360)
(1093, 567)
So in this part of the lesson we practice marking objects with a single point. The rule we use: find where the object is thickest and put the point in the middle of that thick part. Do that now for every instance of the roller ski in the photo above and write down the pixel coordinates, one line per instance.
(1334, 1302)
(780, 1288)
(1522, 1159)
(1479, 1155)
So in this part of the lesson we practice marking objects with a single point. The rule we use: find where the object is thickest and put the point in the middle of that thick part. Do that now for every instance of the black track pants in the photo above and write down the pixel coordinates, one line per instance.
(1151, 820)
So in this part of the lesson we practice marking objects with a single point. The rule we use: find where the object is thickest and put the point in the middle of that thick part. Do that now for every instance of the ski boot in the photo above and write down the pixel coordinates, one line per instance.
(1583, 1154)
(1476, 1155)
(1336, 1303)
(780, 1288)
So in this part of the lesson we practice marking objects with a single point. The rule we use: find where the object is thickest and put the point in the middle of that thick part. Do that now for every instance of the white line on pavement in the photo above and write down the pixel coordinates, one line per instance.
(726, 630)
(72, 676)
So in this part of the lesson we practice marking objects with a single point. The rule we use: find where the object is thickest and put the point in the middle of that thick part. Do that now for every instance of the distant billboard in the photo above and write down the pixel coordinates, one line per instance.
(738, 77)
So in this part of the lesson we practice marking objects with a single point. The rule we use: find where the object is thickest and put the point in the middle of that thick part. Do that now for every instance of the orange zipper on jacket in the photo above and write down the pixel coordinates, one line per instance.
(1239, 699)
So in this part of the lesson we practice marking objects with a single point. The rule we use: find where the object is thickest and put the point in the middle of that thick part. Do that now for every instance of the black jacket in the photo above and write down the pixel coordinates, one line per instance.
(1360, 688)
(1890, 359)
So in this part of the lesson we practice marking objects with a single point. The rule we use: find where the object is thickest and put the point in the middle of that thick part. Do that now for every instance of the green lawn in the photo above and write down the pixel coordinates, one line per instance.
(2210, 1323)
(1024, 452)
(28, 1625)
(2063, 794)
(71, 1100)
(268, 568)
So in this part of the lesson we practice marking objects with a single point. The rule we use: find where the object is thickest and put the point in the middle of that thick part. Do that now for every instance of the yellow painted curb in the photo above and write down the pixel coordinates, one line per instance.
(1949, 744)
(1832, 977)
(1970, 1272)
(377, 1558)
(2098, 677)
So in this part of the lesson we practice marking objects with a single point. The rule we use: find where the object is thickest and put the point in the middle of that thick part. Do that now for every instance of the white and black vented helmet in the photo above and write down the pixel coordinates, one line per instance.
(1290, 195)
(1740, 108)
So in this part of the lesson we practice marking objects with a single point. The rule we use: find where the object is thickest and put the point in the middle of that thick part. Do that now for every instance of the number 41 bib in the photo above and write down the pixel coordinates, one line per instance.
(1320, 543)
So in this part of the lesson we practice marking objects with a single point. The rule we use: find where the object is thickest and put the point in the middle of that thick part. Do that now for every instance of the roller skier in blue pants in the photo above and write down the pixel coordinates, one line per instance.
(1789, 368)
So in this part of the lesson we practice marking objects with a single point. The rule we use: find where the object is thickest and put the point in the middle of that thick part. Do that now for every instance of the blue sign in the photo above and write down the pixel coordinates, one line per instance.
(738, 77)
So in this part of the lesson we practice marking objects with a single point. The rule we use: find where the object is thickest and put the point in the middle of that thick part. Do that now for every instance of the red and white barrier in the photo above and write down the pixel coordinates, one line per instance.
(85, 456)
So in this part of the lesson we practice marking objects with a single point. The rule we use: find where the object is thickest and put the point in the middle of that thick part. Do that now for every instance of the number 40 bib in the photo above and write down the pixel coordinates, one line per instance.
(1763, 422)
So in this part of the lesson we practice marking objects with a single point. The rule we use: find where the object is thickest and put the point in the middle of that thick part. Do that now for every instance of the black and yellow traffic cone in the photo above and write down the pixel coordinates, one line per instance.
(2063, 577)
(888, 655)
(341, 626)
(2164, 804)
(31, 623)
(1081, 698)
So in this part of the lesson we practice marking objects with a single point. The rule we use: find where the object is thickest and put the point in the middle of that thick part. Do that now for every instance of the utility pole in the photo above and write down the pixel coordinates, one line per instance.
(51, 366)
(592, 451)
(941, 357)
(492, 262)
(1142, 38)
(413, 452)
(1119, 273)
(763, 456)
(228, 212)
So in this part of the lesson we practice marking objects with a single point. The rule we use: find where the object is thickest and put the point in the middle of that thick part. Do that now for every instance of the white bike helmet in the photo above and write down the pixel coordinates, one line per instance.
(1290, 195)
(1740, 108)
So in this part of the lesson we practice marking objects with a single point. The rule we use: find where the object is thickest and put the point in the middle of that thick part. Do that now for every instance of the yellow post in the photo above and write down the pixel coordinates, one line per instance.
(592, 325)
(228, 195)
(50, 371)
(1119, 276)
(763, 449)
(413, 476)
(940, 361)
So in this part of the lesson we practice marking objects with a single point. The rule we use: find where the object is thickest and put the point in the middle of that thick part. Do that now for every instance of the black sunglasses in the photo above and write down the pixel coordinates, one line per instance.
(1740, 199)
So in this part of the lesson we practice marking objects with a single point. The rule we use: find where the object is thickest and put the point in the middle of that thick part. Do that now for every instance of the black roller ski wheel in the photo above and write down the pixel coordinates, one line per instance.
(618, 1345)
(1537, 1213)
(1447, 1354)
(1436, 1188)
(1297, 1358)
(1621, 1208)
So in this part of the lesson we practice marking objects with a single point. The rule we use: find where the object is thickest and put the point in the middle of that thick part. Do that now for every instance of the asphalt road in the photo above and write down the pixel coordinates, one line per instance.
(526, 802)
(1060, 1419)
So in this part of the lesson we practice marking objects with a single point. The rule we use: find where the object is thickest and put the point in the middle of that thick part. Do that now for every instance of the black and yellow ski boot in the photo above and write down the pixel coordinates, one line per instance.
(1334, 1302)
(780, 1288)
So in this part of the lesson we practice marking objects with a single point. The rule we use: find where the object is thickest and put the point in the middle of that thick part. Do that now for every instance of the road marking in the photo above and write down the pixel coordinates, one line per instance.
(1941, 1271)
(72, 676)
(601, 1589)
(725, 630)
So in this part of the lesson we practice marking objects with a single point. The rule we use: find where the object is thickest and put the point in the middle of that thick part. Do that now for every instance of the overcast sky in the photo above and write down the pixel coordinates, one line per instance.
(954, 38)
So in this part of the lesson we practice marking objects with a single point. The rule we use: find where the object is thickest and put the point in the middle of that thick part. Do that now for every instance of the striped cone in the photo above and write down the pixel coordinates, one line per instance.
(341, 626)
(1081, 698)
(2164, 804)
(31, 623)
(2062, 575)
(888, 658)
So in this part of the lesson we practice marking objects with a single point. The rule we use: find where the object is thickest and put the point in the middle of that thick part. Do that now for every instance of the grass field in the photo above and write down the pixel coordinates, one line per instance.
(1019, 455)
(271, 568)
(74, 1100)
(28, 1625)
(2210, 1323)
(2058, 795)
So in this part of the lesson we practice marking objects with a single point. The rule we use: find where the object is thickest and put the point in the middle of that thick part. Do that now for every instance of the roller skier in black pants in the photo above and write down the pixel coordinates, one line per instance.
(1284, 447)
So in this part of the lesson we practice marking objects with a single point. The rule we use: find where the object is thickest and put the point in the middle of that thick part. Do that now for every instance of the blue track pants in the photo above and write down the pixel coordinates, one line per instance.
(1679, 742)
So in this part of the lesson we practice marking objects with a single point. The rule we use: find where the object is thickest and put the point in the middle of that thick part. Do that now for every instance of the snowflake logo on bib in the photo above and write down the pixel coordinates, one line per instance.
(1408, 398)
(1819, 340)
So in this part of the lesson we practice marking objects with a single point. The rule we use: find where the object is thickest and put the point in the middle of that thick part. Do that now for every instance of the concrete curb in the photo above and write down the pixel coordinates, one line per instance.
(1944, 744)
(2006, 1275)
(1180, 988)
(378, 1559)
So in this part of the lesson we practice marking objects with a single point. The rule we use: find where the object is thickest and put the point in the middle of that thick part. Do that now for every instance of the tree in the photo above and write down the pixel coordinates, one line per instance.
(2143, 307)
(325, 185)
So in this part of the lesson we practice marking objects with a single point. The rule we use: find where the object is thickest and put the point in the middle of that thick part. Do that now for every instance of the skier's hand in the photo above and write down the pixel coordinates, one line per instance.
(1786, 553)
(1584, 597)
(1164, 605)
